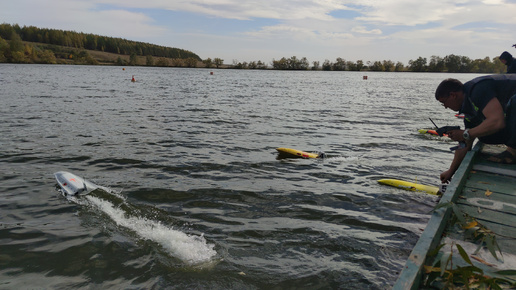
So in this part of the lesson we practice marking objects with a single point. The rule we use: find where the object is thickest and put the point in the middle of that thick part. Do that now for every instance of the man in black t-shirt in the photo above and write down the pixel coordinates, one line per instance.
(489, 106)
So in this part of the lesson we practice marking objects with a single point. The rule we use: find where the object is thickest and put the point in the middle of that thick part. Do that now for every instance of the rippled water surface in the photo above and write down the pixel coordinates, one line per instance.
(198, 196)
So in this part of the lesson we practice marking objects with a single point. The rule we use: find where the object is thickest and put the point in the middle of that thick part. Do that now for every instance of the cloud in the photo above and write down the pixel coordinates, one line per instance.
(408, 12)
(126, 24)
(82, 16)
(479, 12)
(493, 2)
(241, 9)
(363, 30)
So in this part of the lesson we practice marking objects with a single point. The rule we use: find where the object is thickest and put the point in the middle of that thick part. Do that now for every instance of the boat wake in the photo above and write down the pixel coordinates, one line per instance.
(191, 249)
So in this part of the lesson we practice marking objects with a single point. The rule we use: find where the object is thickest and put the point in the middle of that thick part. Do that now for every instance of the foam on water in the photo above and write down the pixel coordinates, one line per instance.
(191, 249)
(342, 159)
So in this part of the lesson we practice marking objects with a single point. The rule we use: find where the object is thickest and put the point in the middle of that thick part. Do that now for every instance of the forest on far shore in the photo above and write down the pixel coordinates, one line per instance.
(29, 44)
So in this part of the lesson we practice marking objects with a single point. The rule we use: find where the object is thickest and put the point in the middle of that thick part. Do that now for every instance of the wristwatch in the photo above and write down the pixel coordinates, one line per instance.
(465, 134)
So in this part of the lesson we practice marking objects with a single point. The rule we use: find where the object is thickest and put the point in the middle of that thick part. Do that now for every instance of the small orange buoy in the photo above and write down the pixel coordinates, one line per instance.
(211, 73)
(133, 80)
(123, 68)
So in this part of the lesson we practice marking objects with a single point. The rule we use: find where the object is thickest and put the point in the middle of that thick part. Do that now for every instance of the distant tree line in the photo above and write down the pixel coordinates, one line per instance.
(451, 63)
(85, 41)
(249, 65)
(217, 62)
(292, 63)
(457, 64)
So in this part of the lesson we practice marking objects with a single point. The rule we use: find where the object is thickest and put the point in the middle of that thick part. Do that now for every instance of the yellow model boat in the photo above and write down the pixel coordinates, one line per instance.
(296, 153)
(431, 132)
(410, 186)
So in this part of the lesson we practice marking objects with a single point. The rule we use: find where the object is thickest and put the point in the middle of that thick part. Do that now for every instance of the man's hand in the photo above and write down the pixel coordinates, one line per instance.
(446, 176)
(456, 135)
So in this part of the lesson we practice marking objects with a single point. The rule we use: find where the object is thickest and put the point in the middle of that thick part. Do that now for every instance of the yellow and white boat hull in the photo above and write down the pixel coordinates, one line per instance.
(296, 153)
(410, 186)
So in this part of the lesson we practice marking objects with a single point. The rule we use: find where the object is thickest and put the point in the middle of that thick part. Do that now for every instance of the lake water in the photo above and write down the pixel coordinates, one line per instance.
(198, 198)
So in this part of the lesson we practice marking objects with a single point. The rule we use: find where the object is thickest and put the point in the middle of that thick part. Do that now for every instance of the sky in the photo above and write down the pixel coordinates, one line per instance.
(267, 30)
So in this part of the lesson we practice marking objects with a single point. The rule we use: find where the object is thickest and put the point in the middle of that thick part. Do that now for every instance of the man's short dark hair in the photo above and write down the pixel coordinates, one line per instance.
(446, 87)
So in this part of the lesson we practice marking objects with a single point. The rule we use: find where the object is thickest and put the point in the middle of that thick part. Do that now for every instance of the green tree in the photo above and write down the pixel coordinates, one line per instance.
(355, 66)
(19, 57)
(4, 47)
(498, 66)
(83, 57)
(91, 42)
(292, 63)
(120, 61)
(30, 53)
(6, 31)
(176, 62)
(315, 65)
(207, 62)
(399, 67)
(483, 65)
(466, 64)
(360, 65)
(388, 65)
(326, 66)
(253, 65)
(241, 65)
(133, 60)
(280, 64)
(376, 66)
(303, 64)
(453, 63)
(47, 57)
(418, 65)
(339, 64)
(149, 61)
(16, 52)
(351, 66)
(436, 64)
(218, 62)
(16, 43)
(261, 65)
(163, 62)
(191, 62)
